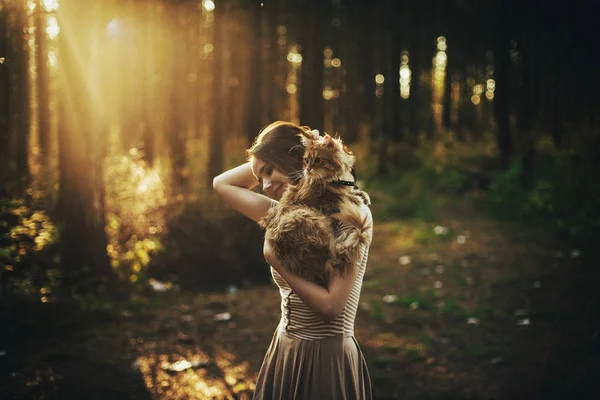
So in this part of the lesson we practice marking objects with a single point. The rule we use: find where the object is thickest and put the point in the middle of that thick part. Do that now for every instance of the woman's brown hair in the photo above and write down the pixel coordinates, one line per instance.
(279, 145)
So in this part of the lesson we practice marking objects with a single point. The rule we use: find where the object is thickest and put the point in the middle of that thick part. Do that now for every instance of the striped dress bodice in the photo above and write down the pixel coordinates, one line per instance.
(299, 321)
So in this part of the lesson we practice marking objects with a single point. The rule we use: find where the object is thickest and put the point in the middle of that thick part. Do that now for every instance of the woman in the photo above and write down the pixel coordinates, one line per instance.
(313, 354)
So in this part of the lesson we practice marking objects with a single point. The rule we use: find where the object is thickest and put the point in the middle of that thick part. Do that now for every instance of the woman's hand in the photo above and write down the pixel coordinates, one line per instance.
(326, 303)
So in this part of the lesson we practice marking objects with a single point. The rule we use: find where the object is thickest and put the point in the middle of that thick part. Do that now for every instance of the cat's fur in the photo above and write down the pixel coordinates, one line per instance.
(317, 226)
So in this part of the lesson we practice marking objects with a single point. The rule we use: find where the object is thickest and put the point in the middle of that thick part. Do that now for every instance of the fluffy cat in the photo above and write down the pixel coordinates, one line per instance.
(317, 226)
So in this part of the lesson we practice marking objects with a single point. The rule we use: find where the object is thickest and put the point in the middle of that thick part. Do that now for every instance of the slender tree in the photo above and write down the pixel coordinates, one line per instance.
(204, 72)
(393, 126)
(274, 65)
(130, 78)
(252, 103)
(416, 65)
(176, 136)
(447, 99)
(311, 85)
(526, 103)
(217, 132)
(148, 40)
(366, 24)
(22, 115)
(558, 100)
(353, 88)
(501, 93)
(43, 87)
(83, 241)
(6, 58)
(390, 62)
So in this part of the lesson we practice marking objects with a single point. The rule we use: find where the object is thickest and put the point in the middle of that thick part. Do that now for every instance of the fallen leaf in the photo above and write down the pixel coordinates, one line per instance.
(404, 260)
(183, 338)
(223, 316)
(390, 298)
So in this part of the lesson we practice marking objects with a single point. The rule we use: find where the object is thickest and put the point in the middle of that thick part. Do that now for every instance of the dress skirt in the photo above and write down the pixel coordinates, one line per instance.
(330, 369)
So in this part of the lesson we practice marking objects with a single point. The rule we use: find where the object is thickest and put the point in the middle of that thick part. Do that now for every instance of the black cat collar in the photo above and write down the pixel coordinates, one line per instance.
(346, 183)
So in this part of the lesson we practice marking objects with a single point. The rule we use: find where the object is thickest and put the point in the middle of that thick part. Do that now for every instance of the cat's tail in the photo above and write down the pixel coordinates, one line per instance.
(354, 229)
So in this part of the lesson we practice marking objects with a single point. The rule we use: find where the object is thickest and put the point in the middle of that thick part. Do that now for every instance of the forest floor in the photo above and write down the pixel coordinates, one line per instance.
(465, 307)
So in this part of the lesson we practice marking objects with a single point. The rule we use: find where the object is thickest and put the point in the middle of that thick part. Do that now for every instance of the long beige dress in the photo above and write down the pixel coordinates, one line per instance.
(311, 359)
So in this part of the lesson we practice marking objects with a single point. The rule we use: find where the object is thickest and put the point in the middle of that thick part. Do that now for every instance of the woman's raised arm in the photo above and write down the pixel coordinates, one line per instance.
(234, 187)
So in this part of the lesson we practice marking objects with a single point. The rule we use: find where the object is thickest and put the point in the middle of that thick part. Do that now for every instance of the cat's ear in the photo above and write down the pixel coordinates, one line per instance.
(328, 140)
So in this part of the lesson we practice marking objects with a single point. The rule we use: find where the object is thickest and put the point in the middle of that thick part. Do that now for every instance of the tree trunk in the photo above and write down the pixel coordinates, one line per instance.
(253, 105)
(459, 122)
(231, 73)
(392, 79)
(217, 133)
(526, 109)
(367, 43)
(43, 87)
(414, 100)
(272, 91)
(447, 99)
(204, 72)
(176, 128)
(351, 94)
(525, 125)
(22, 111)
(147, 60)
(559, 68)
(85, 264)
(312, 110)
(5, 92)
(385, 126)
(130, 99)
(501, 93)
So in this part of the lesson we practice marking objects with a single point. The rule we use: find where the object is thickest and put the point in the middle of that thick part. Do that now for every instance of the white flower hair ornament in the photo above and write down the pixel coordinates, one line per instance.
(312, 135)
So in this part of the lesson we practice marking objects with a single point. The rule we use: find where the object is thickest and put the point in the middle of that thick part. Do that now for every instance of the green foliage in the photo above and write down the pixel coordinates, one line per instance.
(413, 353)
(136, 200)
(377, 310)
(423, 300)
(371, 284)
(565, 198)
(408, 194)
(451, 306)
(423, 180)
(506, 194)
(28, 240)
(383, 361)
(426, 234)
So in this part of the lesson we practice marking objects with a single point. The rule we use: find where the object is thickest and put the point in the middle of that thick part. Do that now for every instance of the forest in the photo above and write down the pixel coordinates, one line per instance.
(476, 131)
